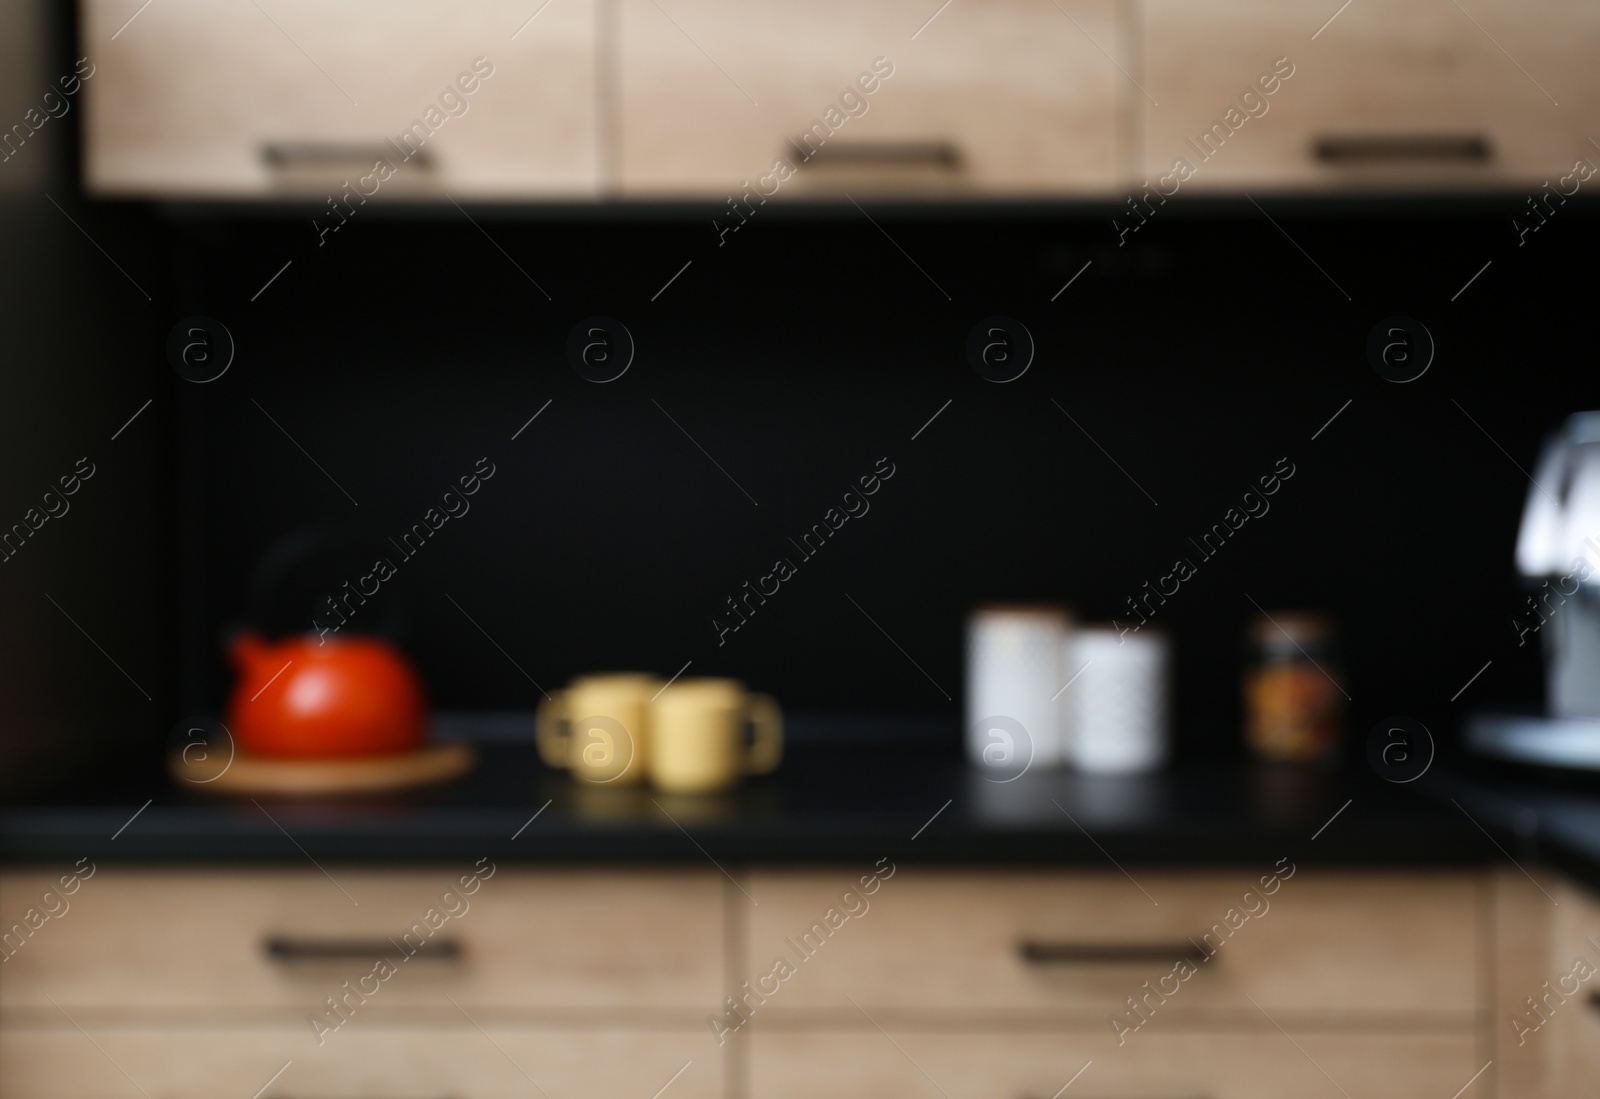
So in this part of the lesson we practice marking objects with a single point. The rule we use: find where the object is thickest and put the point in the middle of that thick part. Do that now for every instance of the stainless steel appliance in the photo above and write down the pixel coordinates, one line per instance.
(1559, 546)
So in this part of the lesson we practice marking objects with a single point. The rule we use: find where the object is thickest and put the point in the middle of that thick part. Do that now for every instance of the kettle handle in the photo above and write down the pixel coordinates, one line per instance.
(552, 731)
(298, 548)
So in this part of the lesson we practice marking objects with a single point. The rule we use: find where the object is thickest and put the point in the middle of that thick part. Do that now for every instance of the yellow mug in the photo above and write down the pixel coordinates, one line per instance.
(697, 730)
(599, 727)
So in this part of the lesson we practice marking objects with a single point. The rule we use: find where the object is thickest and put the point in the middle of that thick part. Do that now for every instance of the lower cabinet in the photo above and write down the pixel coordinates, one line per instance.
(419, 1061)
(1223, 983)
(1335, 945)
(154, 938)
(870, 1064)
(915, 982)
(1573, 1027)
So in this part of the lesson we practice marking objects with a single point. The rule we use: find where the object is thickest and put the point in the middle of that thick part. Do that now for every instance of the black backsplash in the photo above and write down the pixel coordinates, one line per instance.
(805, 352)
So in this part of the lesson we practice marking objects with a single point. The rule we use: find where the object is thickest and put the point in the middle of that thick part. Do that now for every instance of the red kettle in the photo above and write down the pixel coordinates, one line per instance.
(307, 698)
(327, 693)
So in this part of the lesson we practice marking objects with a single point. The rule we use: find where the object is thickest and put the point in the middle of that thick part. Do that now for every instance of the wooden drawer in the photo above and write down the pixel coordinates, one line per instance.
(990, 97)
(999, 1066)
(397, 1063)
(191, 93)
(1573, 1031)
(1401, 69)
(549, 938)
(1324, 942)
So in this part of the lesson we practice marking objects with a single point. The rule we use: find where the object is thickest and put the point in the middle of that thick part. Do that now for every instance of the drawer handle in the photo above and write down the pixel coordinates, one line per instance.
(1397, 148)
(281, 948)
(939, 155)
(336, 155)
(1043, 953)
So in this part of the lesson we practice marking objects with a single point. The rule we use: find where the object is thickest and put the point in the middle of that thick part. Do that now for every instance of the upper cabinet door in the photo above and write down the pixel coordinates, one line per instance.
(1399, 94)
(261, 98)
(811, 98)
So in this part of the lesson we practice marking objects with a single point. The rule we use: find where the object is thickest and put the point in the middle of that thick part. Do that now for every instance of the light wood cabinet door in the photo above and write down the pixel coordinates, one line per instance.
(230, 98)
(1266, 1065)
(1421, 94)
(402, 1062)
(1324, 944)
(138, 938)
(1522, 916)
(987, 97)
(1573, 1029)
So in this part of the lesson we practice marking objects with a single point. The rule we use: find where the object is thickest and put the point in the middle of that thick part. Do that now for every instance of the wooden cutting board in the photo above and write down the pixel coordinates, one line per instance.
(244, 774)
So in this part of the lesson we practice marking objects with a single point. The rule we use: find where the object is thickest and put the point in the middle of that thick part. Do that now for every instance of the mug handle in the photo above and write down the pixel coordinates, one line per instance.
(766, 749)
(553, 730)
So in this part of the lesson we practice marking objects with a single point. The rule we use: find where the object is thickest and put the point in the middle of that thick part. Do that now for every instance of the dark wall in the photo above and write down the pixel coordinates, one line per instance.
(806, 349)
(86, 649)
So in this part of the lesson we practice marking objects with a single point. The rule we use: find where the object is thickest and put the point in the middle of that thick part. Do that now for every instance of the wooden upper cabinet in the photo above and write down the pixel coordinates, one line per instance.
(242, 99)
(1404, 94)
(982, 97)
(701, 99)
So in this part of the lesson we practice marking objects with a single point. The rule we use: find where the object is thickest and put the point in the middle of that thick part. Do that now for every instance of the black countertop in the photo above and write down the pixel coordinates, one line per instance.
(833, 802)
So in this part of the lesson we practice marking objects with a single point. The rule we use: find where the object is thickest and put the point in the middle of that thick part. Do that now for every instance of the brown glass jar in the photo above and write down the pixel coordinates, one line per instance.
(1294, 705)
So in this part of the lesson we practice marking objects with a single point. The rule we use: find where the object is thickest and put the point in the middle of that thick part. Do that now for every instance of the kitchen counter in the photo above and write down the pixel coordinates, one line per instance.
(1537, 815)
(835, 801)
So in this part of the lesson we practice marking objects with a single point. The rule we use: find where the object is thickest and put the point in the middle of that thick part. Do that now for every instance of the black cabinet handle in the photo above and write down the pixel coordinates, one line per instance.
(1356, 149)
(282, 948)
(1068, 953)
(338, 155)
(940, 155)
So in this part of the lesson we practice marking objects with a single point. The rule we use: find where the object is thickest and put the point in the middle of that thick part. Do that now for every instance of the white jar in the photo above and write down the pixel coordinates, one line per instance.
(1013, 684)
(1116, 708)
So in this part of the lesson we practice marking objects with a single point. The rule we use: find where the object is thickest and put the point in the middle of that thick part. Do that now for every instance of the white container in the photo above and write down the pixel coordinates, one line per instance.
(1013, 683)
(1116, 708)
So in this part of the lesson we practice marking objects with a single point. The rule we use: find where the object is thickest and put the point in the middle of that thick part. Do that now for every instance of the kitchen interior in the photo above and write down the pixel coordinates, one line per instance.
(1038, 549)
